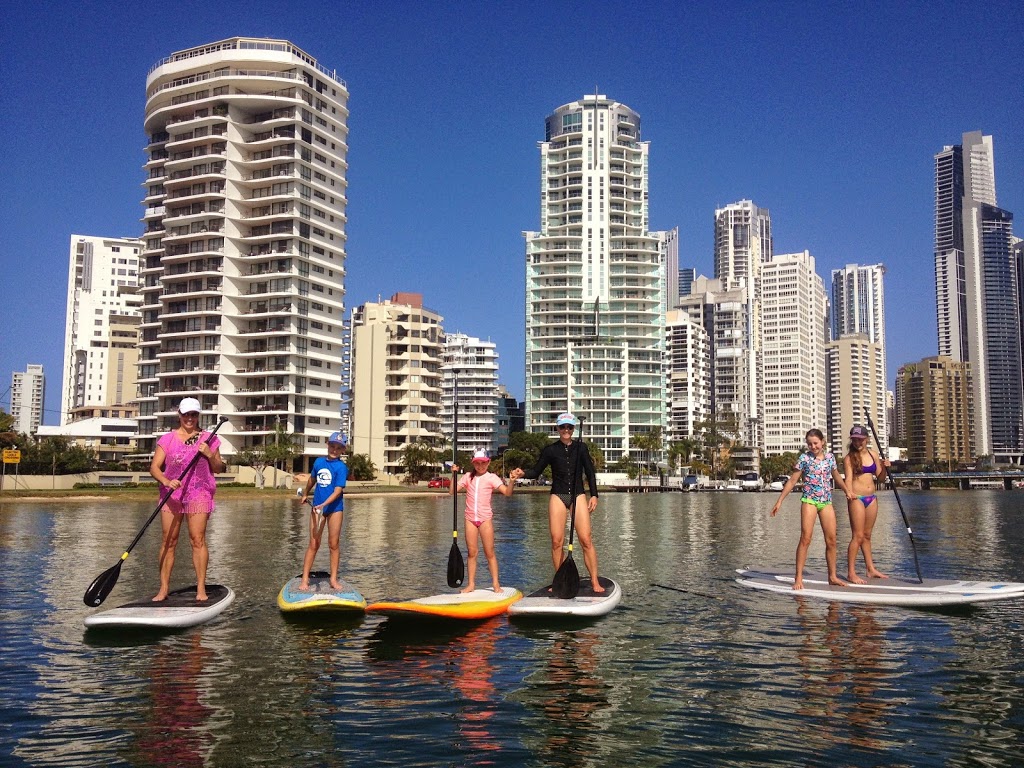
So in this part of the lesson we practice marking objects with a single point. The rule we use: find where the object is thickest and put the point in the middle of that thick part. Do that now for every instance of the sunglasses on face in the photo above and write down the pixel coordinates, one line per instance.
(568, 427)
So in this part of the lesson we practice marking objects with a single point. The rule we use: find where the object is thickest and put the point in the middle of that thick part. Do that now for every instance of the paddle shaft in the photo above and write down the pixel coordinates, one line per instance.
(455, 445)
(896, 494)
(456, 565)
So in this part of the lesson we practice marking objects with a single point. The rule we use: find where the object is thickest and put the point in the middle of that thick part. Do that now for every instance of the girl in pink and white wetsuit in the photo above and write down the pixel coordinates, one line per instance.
(479, 486)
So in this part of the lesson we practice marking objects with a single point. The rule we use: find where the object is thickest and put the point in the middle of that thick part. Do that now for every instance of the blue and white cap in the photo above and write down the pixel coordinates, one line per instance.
(339, 438)
(565, 418)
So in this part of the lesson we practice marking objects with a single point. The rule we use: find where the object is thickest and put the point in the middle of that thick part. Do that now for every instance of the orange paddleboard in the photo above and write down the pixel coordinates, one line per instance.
(478, 604)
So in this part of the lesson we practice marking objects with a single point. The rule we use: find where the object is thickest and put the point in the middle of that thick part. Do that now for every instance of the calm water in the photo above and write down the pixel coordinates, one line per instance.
(706, 673)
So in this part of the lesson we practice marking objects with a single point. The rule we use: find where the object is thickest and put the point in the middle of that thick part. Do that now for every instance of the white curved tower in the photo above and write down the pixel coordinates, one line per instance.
(244, 260)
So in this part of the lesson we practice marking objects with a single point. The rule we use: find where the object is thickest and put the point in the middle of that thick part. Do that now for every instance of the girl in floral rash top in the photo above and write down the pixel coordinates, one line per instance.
(817, 467)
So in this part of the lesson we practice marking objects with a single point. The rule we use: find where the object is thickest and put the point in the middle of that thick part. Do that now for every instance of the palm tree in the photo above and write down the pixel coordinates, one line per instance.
(649, 441)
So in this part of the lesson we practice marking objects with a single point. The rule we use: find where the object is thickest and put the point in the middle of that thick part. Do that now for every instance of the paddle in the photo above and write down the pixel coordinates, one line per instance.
(104, 583)
(566, 583)
(895, 493)
(456, 566)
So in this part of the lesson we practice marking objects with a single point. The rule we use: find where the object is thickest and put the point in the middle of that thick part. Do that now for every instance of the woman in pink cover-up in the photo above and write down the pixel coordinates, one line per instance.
(191, 497)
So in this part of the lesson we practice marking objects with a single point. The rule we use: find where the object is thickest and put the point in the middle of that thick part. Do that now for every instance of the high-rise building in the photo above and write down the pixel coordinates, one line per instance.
(510, 417)
(396, 379)
(673, 278)
(686, 277)
(934, 396)
(101, 323)
(595, 281)
(723, 314)
(858, 310)
(689, 375)
(743, 244)
(978, 294)
(243, 265)
(858, 301)
(856, 388)
(794, 318)
(472, 364)
(28, 392)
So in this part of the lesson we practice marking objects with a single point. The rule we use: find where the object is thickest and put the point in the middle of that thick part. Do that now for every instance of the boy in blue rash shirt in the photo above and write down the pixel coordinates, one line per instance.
(329, 476)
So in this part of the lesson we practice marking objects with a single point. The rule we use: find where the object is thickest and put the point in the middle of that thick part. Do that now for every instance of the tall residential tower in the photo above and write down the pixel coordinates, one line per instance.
(977, 292)
(595, 280)
(243, 265)
(101, 331)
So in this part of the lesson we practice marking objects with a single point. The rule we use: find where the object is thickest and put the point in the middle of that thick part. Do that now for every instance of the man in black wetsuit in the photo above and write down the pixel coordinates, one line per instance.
(566, 456)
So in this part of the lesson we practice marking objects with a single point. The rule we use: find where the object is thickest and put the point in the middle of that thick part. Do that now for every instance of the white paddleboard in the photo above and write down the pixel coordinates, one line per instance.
(320, 597)
(586, 603)
(180, 609)
(932, 593)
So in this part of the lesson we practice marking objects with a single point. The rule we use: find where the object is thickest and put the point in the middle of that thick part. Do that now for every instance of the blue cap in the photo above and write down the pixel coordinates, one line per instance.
(565, 418)
(338, 437)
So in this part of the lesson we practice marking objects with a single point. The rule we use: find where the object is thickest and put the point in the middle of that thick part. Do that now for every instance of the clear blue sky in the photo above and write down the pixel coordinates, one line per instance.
(826, 113)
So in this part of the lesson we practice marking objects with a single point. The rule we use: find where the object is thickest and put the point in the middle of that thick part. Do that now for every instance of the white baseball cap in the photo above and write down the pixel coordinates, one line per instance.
(190, 405)
(481, 456)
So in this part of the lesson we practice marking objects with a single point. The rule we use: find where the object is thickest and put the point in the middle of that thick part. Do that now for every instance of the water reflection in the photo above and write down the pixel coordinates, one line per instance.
(176, 732)
(713, 673)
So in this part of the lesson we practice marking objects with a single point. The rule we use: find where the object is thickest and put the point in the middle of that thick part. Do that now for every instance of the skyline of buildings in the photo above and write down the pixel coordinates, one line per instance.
(242, 279)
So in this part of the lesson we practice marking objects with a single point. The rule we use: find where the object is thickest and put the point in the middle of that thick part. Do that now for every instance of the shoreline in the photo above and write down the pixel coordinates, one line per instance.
(92, 494)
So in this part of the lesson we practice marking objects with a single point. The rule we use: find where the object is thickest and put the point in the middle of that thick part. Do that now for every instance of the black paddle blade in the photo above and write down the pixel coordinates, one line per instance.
(456, 567)
(566, 584)
(101, 586)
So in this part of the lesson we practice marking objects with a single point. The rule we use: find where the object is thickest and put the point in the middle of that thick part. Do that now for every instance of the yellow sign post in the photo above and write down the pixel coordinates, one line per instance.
(11, 456)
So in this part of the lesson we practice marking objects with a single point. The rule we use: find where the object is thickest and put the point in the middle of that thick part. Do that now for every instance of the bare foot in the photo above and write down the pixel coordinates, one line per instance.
(160, 597)
(877, 575)
(596, 587)
(835, 581)
(202, 597)
(497, 588)
(468, 588)
(304, 587)
(335, 585)
(855, 579)
(798, 583)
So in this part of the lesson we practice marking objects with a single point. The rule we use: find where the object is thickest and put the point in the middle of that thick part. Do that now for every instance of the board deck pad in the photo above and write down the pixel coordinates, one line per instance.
(180, 609)
(891, 591)
(320, 597)
(586, 603)
(478, 604)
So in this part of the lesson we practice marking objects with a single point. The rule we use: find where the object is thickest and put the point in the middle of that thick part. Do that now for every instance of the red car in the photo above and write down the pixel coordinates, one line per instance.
(439, 482)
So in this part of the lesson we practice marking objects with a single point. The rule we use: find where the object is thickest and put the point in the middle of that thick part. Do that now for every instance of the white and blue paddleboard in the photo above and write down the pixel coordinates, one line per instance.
(587, 602)
(179, 610)
(320, 597)
(932, 593)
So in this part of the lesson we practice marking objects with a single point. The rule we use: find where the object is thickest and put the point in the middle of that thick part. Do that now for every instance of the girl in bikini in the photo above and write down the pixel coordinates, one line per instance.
(863, 468)
(479, 486)
(816, 466)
